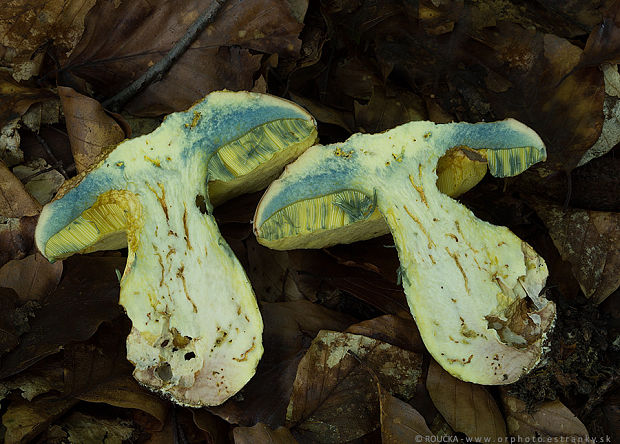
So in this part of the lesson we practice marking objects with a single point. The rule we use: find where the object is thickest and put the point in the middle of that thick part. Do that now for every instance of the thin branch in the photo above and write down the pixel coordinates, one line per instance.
(156, 72)
(56, 163)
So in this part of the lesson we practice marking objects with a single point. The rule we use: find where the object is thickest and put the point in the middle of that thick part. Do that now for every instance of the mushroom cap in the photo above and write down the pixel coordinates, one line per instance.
(196, 328)
(244, 138)
(472, 287)
(316, 180)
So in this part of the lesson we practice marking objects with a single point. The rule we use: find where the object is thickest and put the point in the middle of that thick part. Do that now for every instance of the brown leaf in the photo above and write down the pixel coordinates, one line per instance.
(86, 297)
(603, 43)
(214, 428)
(16, 238)
(15, 99)
(90, 128)
(590, 241)
(388, 108)
(32, 278)
(401, 332)
(401, 423)
(25, 25)
(9, 328)
(289, 330)
(564, 105)
(25, 420)
(467, 407)
(550, 419)
(122, 40)
(260, 433)
(81, 428)
(324, 113)
(334, 396)
(15, 201)
(125, 392)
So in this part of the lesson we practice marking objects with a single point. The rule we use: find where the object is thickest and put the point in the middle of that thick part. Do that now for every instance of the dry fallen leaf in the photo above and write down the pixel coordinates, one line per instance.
(334, 396)
(81, 428)
(401, 423)
(89, 127)
(25, 420)
(31, 278)
(123, 39)
(401, 332)
(260, 433)
(590, 241)
(26, 25)
(467, 407)
(15, 99)
(86, 297)
(125, 392)
(15, 201)
(16, 237)
(550, 419)
(289, 330)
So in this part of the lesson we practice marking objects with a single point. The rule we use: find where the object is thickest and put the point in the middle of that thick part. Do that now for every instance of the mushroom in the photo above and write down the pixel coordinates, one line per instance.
(473, 288)
(196, 328)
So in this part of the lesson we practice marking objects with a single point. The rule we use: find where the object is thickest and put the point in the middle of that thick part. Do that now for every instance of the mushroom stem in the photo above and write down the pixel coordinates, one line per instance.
(181, 258)
(485, 269)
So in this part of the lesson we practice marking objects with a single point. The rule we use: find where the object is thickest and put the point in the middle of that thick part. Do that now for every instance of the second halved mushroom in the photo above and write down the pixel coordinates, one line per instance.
(473, 288)
(196, 334)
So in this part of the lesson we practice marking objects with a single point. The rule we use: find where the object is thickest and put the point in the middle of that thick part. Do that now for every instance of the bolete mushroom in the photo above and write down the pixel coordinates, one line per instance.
(473, 288)
(196, 329)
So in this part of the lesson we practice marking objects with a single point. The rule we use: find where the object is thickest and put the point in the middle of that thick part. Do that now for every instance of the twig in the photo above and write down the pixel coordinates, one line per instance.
(156, 72)
(56, 162)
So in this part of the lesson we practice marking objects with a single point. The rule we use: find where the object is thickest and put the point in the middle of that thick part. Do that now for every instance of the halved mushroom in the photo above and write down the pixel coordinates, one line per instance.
(196, 333)
(472, 287)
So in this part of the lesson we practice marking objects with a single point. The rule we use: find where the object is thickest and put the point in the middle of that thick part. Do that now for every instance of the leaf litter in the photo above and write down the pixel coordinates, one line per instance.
(334, 318)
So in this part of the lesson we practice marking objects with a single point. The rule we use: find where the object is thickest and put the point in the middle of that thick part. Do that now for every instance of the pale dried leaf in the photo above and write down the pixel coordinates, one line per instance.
(467, 407)
(31, 278)
(15, 201)
(610, 134)
(550, 419)
(90, 128)
(260, 433)
(42, 185)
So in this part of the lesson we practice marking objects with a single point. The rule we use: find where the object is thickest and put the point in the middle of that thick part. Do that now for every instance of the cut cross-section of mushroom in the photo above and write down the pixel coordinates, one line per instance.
(473, 288)
(196, 334)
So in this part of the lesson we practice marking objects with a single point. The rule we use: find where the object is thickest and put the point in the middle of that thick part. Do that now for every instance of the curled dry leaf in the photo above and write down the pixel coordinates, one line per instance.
(25, 420)
(90, 128)
(86, 297)
(31, 278)
(262, 433)
(401, 423)
(15, 201)
(16, 237)
(550, 419)
(289, 330)
(39, 180)
(125, 392)
(334, 396)
(590, 241)
(122, 40)
(467, 407)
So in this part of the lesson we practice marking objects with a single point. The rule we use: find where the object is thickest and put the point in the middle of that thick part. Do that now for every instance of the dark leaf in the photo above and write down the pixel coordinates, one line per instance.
(86, 297)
